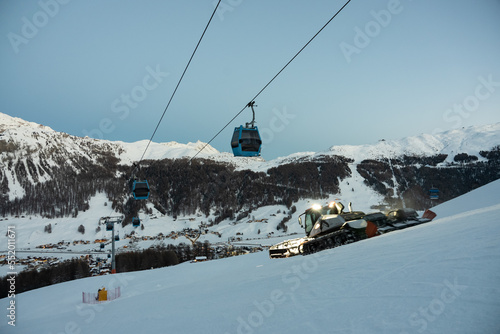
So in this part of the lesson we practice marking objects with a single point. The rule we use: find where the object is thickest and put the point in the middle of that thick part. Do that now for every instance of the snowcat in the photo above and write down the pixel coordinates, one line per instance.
(329, 226)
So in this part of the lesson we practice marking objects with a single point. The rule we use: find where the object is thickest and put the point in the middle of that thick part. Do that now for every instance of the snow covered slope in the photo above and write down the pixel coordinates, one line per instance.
(475, 200)
(441, 277)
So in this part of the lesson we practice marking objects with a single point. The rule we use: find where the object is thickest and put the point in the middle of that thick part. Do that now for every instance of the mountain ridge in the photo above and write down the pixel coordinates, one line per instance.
(470, 140)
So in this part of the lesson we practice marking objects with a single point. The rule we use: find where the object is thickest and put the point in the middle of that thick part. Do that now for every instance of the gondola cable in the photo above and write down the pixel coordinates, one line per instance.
(140, 188)
(270, 81)
(177, 86)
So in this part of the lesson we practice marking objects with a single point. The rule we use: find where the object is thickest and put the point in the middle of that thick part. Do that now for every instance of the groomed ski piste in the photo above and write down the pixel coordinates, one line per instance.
(440, 277)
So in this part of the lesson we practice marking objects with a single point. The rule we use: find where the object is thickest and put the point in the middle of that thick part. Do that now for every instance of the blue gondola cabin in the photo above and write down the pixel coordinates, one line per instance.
(434, 193)
(246, 142)
(140, 189)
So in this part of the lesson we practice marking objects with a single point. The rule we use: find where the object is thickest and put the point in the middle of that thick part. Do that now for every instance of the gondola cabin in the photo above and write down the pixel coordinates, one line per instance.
(140, 189)
(117, 237)
(109, 226)
(246, 142)
(434, 193)
(136, 222)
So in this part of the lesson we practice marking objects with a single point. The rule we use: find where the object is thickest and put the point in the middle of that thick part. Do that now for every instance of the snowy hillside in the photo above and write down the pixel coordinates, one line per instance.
(441, 277)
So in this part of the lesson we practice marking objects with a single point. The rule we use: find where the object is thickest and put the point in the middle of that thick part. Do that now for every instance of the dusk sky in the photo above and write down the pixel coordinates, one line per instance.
(382, 69)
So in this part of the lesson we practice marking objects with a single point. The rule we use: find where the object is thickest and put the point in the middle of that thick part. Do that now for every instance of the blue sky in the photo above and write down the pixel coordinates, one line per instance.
(381, 69)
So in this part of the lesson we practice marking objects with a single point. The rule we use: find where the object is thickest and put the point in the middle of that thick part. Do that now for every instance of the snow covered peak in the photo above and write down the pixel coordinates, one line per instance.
(9, 122)
(170, 150)
(470, 140)
(31, 137)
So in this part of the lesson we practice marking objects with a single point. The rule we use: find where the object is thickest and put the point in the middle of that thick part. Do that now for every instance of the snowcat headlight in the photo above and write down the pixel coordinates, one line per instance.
(331, 205)
(316, 207)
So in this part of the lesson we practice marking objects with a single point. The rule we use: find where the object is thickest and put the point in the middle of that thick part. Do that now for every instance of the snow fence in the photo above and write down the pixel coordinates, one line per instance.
(93, 297)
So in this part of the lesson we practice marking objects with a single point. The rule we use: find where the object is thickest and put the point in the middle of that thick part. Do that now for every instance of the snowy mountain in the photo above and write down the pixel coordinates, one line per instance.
(31, 137)
(441, 277)
(471, 140)
(62, 183)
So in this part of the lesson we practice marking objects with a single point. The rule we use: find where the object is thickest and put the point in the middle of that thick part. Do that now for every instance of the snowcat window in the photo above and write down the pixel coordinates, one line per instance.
(310, 219)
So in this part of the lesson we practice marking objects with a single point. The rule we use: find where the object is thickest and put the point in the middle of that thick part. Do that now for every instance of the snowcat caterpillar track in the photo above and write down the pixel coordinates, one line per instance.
(331, 240)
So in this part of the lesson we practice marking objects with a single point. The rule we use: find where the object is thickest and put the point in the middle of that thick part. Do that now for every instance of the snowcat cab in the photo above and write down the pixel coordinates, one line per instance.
(313, 214)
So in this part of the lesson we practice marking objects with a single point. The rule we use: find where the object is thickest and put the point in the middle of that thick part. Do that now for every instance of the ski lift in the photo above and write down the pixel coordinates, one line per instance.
(140, 189)
(434, 193)
(102, 247)
(136, 222)
(246, 141)
(109, 226)
(117, 237)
